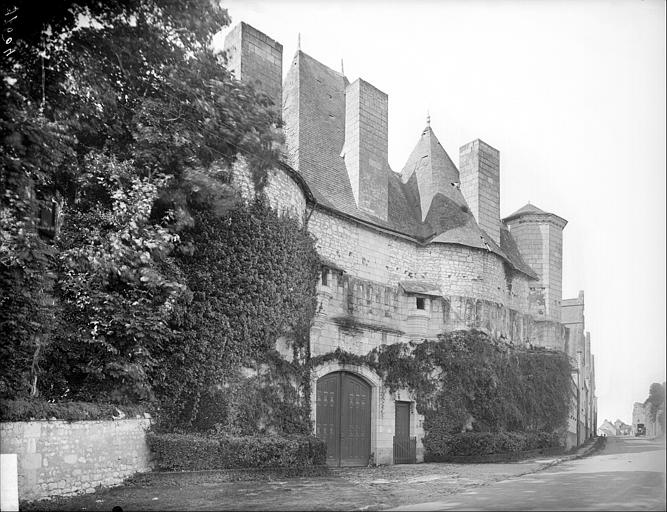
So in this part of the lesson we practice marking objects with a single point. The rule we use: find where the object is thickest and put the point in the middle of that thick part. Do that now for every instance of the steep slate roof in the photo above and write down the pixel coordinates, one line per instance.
(434, 170)
(510, 248)
(321, 136)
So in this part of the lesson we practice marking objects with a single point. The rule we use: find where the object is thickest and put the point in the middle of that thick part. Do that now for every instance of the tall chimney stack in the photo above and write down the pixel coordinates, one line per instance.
(257, 59)
(479, 169)
(366, 146)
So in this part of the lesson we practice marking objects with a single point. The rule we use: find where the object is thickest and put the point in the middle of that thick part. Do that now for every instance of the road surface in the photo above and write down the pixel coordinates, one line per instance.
(629, 474)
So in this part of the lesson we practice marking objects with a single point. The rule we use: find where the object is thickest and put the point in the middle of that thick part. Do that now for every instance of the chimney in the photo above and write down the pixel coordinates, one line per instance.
(479, 170)
(366, 146)
(256, 59)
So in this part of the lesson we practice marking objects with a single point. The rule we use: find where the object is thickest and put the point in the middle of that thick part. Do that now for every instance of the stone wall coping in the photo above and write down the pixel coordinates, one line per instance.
(55, 420)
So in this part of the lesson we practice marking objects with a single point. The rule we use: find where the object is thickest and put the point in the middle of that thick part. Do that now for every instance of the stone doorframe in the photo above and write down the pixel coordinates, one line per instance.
(364, 373)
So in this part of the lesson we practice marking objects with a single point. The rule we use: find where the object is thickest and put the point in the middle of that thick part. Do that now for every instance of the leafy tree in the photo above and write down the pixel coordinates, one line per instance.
(110, 108)
(29, 145)
(656, 403)
(115, 301)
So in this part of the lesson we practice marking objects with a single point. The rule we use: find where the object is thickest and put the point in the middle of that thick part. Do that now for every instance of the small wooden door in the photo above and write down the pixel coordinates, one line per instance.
(404, 445)
(344, 418)
(402, 426)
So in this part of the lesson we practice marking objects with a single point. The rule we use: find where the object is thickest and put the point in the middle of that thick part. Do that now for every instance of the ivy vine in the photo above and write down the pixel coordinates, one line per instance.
(469, 380)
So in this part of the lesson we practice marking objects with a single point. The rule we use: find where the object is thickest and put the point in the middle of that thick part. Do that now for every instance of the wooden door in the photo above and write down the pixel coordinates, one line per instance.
(404, 445)
(344, 418)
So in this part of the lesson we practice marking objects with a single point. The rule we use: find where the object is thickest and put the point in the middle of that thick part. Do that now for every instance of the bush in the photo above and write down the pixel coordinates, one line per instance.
(545, 440)
(506, 442)
(27, 409)
(317, 451)
(180, 452)
(487, 443)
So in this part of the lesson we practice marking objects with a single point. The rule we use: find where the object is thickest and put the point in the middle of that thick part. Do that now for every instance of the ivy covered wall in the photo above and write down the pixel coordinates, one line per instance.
(466, 381)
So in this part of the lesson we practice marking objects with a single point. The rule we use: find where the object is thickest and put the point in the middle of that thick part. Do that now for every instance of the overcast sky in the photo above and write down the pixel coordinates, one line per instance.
(571, 93)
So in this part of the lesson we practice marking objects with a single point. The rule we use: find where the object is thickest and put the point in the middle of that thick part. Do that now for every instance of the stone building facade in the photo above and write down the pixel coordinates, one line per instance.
(641, 415)
(407, 255)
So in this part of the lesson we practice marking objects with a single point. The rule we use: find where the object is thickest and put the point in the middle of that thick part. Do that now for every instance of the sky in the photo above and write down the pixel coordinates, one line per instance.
(571, 93)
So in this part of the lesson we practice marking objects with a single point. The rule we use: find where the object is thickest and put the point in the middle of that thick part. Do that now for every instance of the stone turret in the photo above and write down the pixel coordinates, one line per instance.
(539, 237)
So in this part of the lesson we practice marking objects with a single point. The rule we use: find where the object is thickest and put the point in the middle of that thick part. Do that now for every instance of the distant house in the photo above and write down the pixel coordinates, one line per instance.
(622, 428)
(607, 429)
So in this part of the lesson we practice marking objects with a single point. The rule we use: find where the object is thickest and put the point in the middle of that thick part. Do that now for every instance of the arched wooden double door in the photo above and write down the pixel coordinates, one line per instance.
(343, 417)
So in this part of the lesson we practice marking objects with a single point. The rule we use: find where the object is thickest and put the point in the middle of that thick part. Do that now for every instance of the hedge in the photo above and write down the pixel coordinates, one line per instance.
(487, 443)
(35, 409)
(194, 452)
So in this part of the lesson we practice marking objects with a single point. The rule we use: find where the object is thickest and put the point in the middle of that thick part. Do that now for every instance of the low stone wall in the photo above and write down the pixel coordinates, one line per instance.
(60, 458)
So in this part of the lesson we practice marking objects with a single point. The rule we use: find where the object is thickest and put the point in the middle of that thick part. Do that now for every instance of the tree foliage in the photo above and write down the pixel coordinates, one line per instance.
(656, 404)
(123, 115)
(468, 378)
(252, 281)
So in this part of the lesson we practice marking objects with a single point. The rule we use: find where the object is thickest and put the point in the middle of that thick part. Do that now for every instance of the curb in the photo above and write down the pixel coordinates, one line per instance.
(597, 445)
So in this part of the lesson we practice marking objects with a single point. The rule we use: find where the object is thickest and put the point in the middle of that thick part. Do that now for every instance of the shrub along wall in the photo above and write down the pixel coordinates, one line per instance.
(469, 444)
(193, 452)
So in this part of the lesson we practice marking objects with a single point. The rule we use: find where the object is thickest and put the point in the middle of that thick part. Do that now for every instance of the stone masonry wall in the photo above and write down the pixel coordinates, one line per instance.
(284, 195)
(476, 289)
(458, 270)
(59, 458)
(357, 315)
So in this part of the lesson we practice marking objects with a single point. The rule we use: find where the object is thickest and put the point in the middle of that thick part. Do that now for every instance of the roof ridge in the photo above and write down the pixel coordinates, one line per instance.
(296, 54)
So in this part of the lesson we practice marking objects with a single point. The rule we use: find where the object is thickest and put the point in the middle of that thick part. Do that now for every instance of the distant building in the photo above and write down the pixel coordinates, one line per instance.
(640, 415)
(622, 428)
(408, 255)
(607, 429)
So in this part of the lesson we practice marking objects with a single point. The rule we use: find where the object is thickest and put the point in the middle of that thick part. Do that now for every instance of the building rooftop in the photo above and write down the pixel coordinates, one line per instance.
(427, 212)
(531, 209)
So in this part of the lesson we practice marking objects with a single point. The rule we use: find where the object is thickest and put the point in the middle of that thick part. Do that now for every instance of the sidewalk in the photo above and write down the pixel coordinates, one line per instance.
(375, 488)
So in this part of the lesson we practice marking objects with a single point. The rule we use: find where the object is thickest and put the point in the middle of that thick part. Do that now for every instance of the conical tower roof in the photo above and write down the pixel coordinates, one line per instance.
(434, 171)
(528, 208)
(531, 209)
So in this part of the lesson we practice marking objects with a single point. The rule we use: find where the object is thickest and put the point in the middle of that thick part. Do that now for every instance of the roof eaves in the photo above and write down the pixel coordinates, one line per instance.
(310, 198)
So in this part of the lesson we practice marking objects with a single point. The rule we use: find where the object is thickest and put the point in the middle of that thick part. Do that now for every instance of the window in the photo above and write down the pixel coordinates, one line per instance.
(421, 303)
(325, 277)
